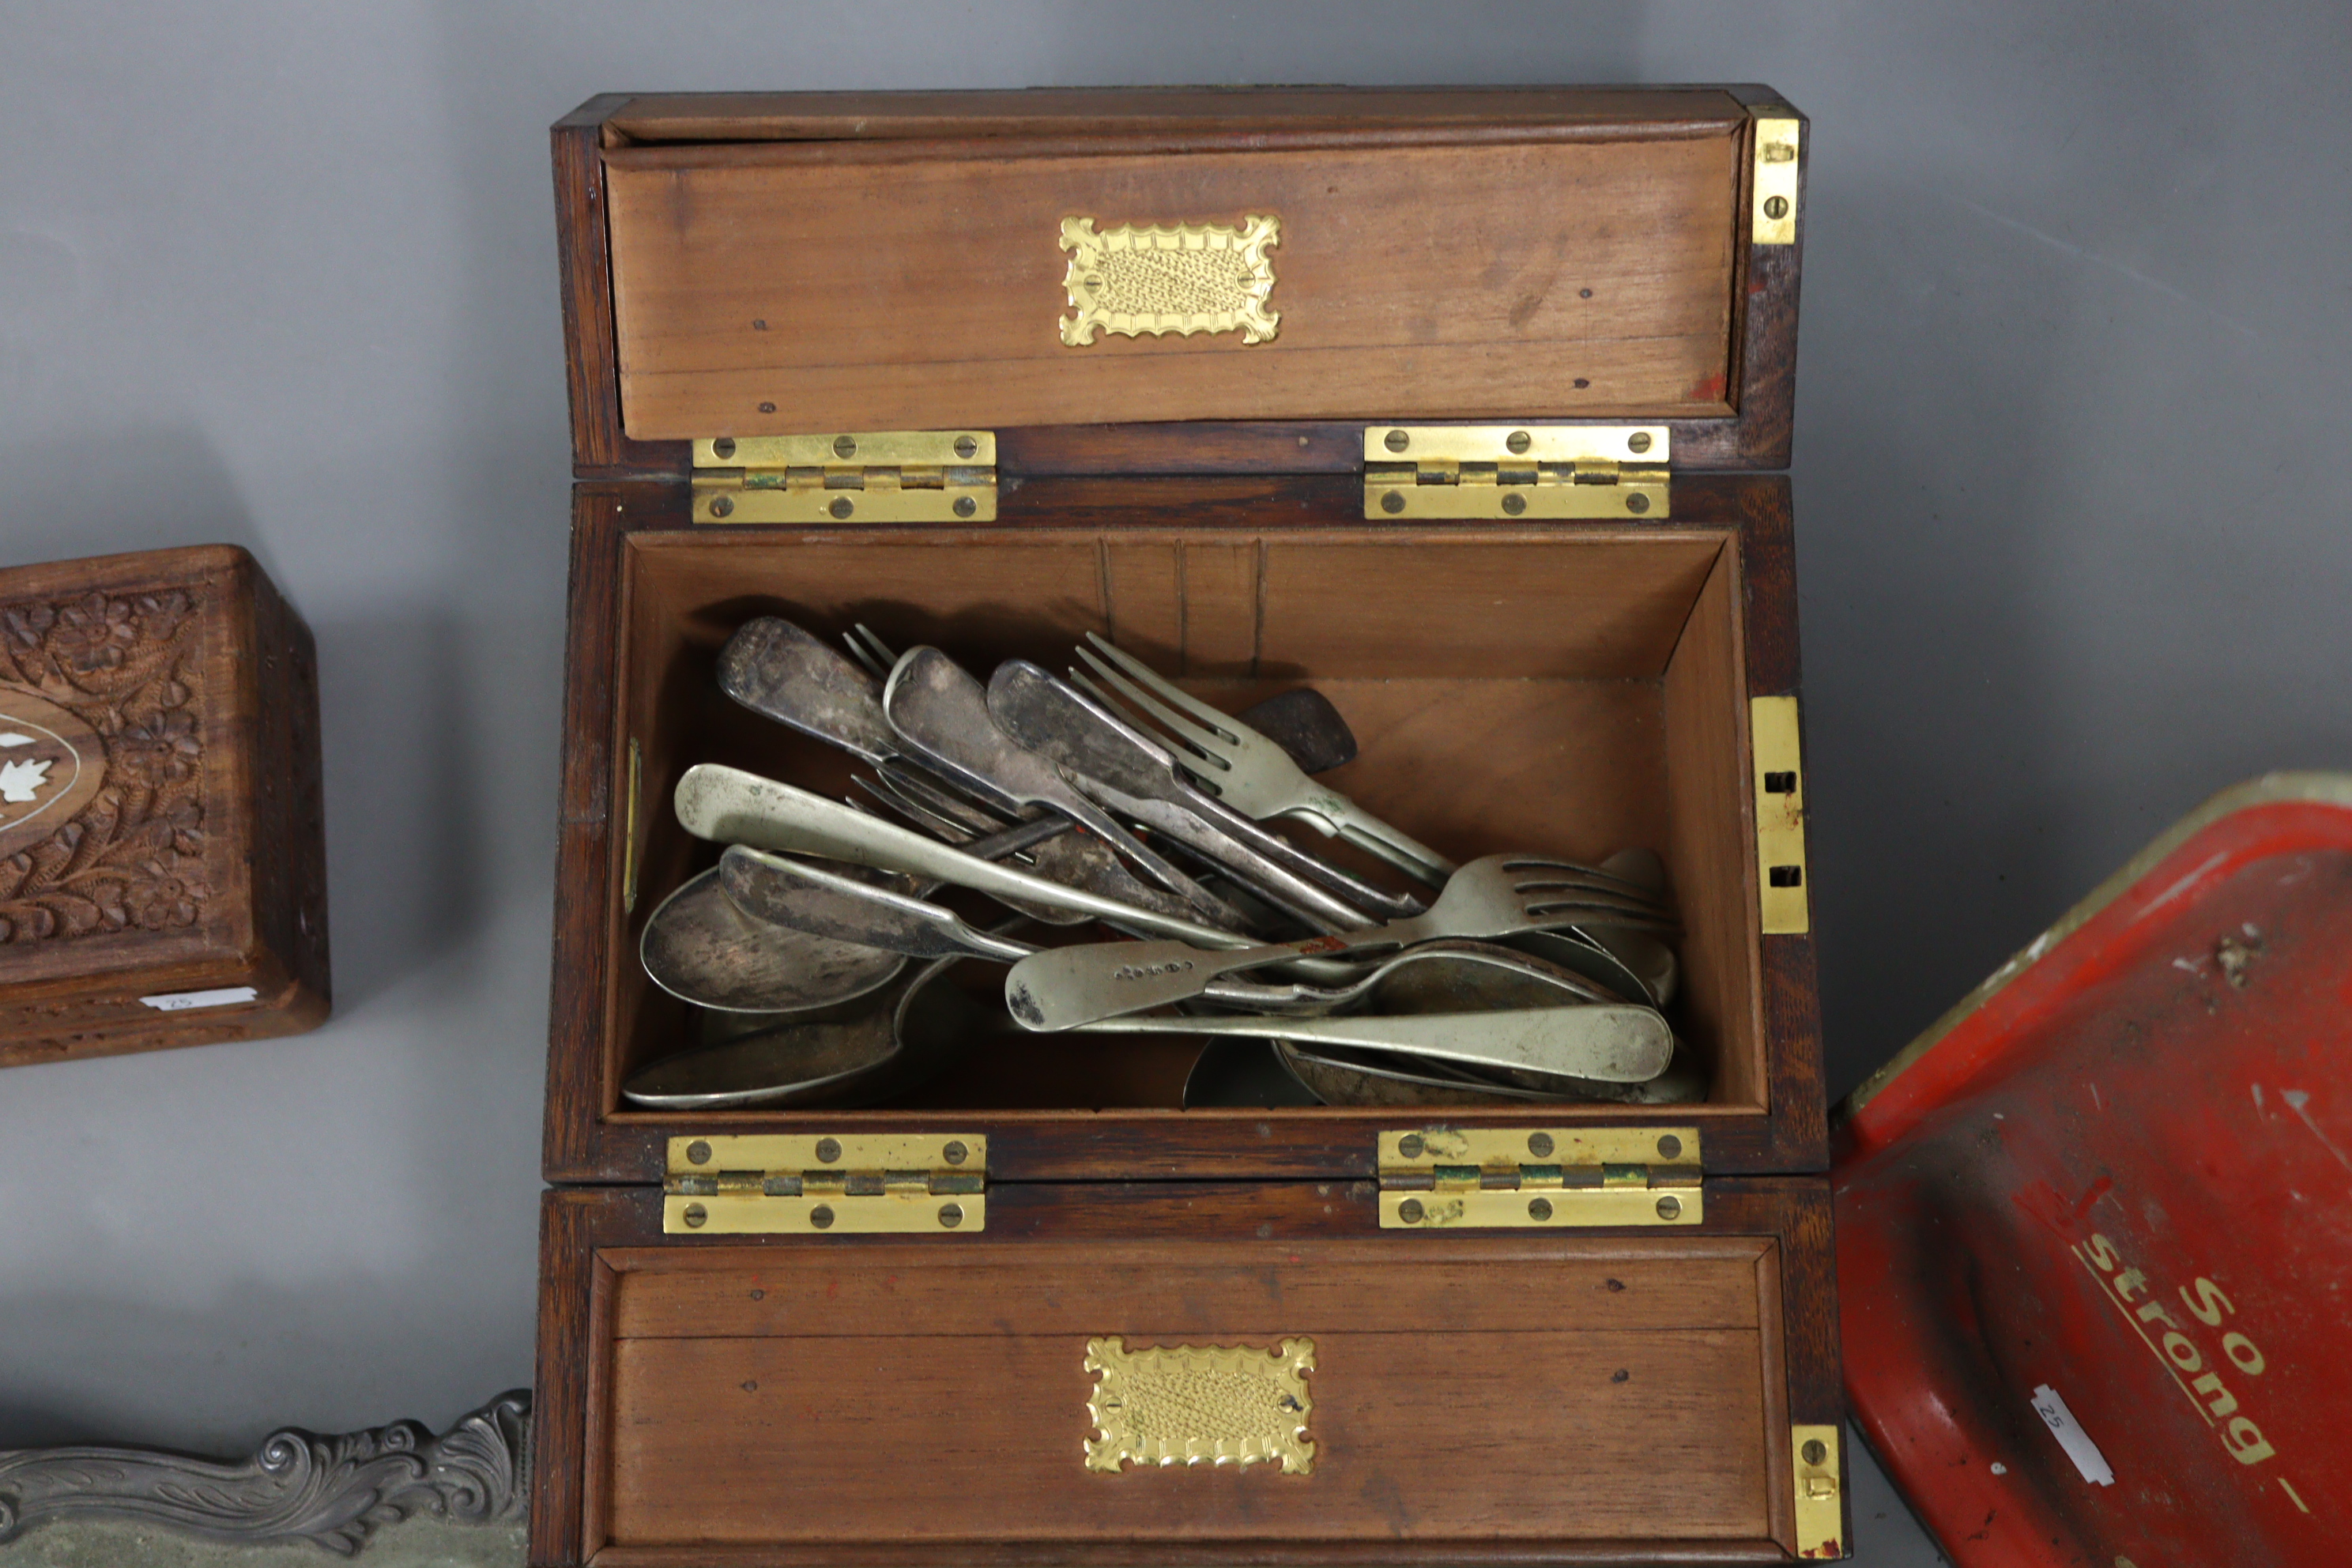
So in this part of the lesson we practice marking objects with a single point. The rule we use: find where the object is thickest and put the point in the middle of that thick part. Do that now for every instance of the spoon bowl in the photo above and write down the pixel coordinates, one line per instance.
(700, 948)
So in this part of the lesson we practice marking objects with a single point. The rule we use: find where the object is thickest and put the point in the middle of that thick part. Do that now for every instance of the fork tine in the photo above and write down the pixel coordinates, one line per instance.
(863, 655)
(1194, 735)
(881, 650)
(1147, 676)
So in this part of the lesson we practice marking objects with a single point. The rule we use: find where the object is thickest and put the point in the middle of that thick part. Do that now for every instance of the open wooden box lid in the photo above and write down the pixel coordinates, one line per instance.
(1179, 280)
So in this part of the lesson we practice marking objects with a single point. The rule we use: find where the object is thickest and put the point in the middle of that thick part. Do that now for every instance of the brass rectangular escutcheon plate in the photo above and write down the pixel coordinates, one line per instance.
(1772, 733)
(1185, 279)
(1199, 1404)
(1773, 220)
(1820, 1486)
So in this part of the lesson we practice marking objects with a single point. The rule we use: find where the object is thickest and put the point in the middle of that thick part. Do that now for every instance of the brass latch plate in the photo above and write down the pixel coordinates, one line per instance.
(1773, 220)
(863, 476)
(1772, 735)
(825, 1183)
(1515, 472)
(1535, 1178)
(1821, 1485)
(1201, 1404)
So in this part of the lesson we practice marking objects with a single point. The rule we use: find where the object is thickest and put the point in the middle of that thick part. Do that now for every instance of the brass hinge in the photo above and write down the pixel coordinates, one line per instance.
(873, 476)
(1820, 1481)
(1432, 1178)
(1508, 471)
(1773, 220)
(845, 1184)
(1780, 815)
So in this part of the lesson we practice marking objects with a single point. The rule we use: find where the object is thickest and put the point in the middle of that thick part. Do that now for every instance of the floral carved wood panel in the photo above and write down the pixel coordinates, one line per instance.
(121, 674)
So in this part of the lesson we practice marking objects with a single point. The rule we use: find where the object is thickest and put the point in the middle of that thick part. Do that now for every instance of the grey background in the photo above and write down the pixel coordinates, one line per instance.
(2070, 487)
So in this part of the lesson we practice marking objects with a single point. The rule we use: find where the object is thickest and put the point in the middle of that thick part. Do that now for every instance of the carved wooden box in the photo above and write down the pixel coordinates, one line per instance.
(163, 866)
(1462, 407)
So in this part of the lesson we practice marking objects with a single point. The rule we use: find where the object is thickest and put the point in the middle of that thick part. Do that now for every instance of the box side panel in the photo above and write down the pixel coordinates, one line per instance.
(1549, 1397)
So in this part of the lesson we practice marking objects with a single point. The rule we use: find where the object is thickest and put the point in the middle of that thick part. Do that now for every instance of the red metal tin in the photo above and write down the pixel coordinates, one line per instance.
(2119, 1172)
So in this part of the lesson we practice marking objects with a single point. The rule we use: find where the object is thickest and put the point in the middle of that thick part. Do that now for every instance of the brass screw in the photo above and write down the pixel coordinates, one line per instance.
(723, 448)
(1514, 504)
(694, 1216)
(1815, 1450)
(1519, 441)
(965, 506)
(1540, 1208)
(844, 445)
(1409, 1210)
(950, 1216)
(965, 446)
(1539, 1144)
(840, 507)
(1669, 1147)
(1637, 503)
(820, 1217)
(1775, 208)
(828, 1150)
(1669, 1207)
(1396, 441)
(698, 1152)
(1392, 501)
(1639, 441)
(721, 506)
(1410, 1145)
(956, 1152)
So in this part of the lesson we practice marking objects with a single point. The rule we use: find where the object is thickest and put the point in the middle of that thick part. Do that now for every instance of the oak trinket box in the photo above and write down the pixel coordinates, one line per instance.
(1463, 405)
(163, 859)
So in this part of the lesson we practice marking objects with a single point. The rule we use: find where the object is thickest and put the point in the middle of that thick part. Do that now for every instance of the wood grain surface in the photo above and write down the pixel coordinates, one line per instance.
(199, 864)
(1438, 1333)
(673, 136)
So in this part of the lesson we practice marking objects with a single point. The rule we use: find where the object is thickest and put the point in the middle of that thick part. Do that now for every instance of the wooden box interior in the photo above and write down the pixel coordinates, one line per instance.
(1574, 691)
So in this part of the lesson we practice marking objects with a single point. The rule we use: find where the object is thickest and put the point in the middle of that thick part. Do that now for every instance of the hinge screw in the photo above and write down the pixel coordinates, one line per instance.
(1396, 440)
(1639, 441)
(1670, 1147)
(721, 506)
(1775, 208)
(1410, 1145)
(1514, 504)
(965, 506)
(844, 445)
(821, 1217)
(1539, 1144)
(1540, 1208)
(950, 1216)
(965, 446)
(1669, 1207)
(841, 506)
(694, 1215)
(1637, 503)
(1815, 1450)
(1392, 501)
(956, 1153)
(723, 448)
(828, 1150)
(698, 1152)
(1519, 441)
(1410, 1211)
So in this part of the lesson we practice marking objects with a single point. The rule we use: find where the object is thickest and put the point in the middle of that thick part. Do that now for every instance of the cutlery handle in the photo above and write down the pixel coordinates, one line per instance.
(728, 805)
(1606, 1044)
(1063, 987)
(1369, 834)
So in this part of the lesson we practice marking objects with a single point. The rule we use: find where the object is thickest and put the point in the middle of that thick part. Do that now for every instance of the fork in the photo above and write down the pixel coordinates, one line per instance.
(1498, 896)
(1253, 775)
